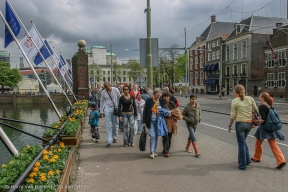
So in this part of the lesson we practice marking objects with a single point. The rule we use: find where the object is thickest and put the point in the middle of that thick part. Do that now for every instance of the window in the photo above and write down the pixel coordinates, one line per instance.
(213, 56)
(227, 72)
(201, 49)
(196, 78)
(209, 45)
(218, 42)
(281, 79)
(129, 78)
(191, 67)
(103, 72)
(218, 54)
(282, 58)
(108, 73)
(108, 78)
(235, 82)
(227, 53)
(244, 49)
(97, 72)
(235, 55)
(209, 56)
(270, 61)
(243, 69)
(270, 78)
(235, 70)
(191, 79)
(191, 61)
(201, 77)
(104, 79)
(213, 44)
(124, 79)
(201, 62)
(124, 72)
(196, 60)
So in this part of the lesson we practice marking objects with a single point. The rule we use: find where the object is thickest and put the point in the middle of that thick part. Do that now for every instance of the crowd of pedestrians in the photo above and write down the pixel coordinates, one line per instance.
(157, 110)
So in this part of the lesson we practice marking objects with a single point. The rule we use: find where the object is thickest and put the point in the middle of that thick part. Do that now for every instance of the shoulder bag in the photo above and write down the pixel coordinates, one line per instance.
(255, 115)
(115, 112)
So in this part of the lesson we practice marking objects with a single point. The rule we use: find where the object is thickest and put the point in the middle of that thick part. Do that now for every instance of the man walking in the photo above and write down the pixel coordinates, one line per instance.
(108, 102)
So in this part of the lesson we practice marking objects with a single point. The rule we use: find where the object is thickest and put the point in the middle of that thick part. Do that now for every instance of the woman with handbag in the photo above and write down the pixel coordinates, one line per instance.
(127, 113)
(151, 110)
(241, 112)
(261, 133)
(140, 108)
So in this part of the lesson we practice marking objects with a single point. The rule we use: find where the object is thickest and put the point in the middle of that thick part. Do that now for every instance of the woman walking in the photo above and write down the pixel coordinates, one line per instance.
(166, 140)
(261, 133)
(140, 108)
(241, 112)
(150, 113)
(126, 113)
(192, 115)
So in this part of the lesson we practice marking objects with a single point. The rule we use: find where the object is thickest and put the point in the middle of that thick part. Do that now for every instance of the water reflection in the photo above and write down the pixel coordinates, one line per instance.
(43, 114)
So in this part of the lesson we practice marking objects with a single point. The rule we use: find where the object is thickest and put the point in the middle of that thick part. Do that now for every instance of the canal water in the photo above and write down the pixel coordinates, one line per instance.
(43, 114)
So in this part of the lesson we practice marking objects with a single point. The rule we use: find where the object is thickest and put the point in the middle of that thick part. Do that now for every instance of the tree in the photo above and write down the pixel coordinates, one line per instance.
(168, 61)
(117, 72)
(98, 72)
(134, 69)
(180, 66)
(4, 64)
(9, 77)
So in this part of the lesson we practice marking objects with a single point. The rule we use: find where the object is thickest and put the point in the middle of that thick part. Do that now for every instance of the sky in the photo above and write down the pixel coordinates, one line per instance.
(123, 22)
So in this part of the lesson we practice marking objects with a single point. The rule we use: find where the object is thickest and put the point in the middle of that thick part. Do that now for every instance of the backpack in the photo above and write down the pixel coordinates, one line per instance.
(272, 122)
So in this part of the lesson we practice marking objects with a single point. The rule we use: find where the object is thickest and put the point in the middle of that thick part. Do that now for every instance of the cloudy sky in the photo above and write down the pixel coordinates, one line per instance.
(123, 22)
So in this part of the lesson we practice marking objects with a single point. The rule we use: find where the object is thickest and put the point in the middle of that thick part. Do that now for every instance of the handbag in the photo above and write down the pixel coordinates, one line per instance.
(115, 111)
(255, 115)
(142, 141)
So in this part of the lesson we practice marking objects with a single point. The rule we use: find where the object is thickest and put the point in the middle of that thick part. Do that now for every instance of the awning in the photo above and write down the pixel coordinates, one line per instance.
(209, 67)
(214, 67)
(211, 81)
(205, 67)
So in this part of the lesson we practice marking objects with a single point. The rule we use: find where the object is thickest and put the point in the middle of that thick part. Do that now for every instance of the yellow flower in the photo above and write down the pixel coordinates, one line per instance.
(28, 147)
(36, 169)
(58, 171)
(50, 173)
(45, 157)
(52, 160)
(51, 147)
(43, 178)
(11, 162)
(61, 144)
(50, 153)
(42, 174)
(59, 150)
(55, 157)
(37, 164)
(32, 174)
(31, 180)
(4, 165)
(45, 152)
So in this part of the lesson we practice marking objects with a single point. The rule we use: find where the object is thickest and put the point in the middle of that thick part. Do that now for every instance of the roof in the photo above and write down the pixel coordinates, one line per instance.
(27, 72)
(108, 54)
(98, 47)
(259, 25)
(88, 51)
(216, 28)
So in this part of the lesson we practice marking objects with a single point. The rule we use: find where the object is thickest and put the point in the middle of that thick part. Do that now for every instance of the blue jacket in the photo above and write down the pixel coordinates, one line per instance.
(94, 118)
(161, 124)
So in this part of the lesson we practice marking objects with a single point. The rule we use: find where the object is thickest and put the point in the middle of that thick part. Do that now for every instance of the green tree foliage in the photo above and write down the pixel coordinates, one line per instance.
(98, 72)
(180, 66)
(4, 64)
(8, 77)
(117, 72)
(134, 69)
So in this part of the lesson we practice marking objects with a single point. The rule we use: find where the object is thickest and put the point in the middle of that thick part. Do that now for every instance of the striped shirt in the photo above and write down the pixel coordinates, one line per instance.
(106, 102)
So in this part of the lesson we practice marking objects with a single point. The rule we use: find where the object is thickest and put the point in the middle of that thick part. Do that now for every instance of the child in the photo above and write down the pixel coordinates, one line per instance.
(94, 122)
(191, 114)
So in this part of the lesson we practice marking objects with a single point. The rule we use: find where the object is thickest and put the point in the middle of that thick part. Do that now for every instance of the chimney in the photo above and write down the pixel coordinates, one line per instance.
(213, 18)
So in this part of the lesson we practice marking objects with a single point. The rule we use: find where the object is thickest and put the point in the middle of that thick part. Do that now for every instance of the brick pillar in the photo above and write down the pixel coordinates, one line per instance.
(80, 72)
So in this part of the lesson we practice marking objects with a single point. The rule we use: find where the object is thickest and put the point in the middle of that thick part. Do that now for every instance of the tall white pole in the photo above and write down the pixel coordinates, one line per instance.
(32, 68)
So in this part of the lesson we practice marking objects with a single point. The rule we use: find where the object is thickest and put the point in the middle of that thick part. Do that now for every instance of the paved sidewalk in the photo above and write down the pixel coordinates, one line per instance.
(120, 168)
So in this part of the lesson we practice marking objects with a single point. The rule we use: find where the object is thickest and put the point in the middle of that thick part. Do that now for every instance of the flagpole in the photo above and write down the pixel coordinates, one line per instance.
(18, 18)
(64, 74)
(28, 61)
(56, 66)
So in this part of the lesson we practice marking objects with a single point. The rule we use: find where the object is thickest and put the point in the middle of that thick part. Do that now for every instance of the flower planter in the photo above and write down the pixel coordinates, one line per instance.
(68, 140)
(64, 180)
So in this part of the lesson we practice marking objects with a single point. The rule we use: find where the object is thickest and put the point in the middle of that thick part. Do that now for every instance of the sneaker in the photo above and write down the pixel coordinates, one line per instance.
(108, 145)
(139, 132)
(132, 145)
(125, 145)
(93, 139)
(114, 140)
(155, 155)
(152, 155)
(97, 140)
(167, 154)
(281, 165)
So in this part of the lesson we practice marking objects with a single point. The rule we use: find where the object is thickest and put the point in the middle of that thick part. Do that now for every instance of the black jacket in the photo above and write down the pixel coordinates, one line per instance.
(147, 113)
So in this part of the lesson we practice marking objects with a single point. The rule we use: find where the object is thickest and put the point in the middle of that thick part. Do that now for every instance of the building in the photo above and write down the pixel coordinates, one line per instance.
(275, 76)
(27, 85)
(4, 56)
(43, 73)
(97, 54)
(199, 53)
(243, 53)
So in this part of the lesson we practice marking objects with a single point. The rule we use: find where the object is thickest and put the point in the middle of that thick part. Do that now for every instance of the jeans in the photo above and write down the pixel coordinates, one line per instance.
(128, 136)
(95, 132)
(153, 133)
(166, 140)
(192, 133)
(111, 126)
(139, 126)
(242, 130)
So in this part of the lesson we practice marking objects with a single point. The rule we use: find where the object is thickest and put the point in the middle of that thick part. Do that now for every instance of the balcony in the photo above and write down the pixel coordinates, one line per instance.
(227, 75)
(234, 75)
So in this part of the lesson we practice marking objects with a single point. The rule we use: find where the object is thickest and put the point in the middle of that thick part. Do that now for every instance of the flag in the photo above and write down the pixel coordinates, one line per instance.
(13, 23)
(45, 52)
(274, 54)
(27, 44)
(61, 69)
(55, 60)
(64, 63)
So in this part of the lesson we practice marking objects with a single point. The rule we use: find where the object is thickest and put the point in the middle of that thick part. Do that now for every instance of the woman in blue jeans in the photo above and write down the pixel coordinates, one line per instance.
(127, 113)
(150, 113)
(241, 112)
